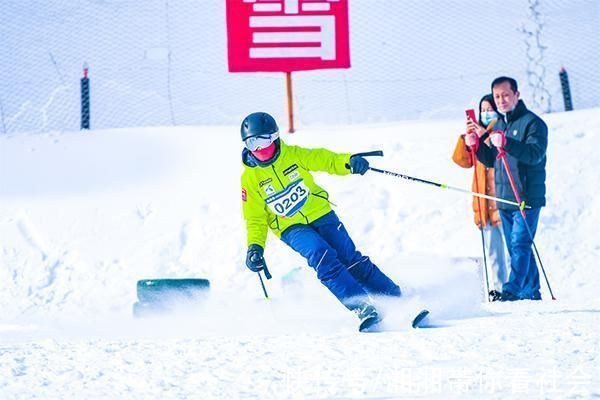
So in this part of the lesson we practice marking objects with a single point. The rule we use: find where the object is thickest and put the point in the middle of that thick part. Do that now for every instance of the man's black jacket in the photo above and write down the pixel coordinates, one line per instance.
(526, 143)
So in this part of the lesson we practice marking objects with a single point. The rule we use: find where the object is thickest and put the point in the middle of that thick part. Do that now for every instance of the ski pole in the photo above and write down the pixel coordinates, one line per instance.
(263, 285)
(485, 267)
(443, 186)
(502, 155)
(268, 276)
(487, 279)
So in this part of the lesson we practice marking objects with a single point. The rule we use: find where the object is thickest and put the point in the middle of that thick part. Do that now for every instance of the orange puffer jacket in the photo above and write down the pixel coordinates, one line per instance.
(483, 182)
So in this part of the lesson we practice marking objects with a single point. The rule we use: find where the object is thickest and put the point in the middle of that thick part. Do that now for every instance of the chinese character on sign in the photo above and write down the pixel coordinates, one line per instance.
(287, 35)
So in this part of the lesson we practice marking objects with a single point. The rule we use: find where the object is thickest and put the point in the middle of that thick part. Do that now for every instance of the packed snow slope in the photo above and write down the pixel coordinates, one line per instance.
(84, 215)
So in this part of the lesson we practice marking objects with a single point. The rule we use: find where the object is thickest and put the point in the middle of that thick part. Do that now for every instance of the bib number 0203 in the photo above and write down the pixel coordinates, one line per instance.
(288, 202)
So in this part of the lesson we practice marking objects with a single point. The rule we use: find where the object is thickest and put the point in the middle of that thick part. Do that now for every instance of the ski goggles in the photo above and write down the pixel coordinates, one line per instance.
(260, 142)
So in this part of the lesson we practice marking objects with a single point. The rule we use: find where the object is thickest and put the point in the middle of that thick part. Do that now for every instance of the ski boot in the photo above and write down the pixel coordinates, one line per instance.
(369, 317)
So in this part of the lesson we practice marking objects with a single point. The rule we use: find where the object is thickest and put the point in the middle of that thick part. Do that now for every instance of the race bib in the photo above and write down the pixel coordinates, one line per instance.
(290, 200)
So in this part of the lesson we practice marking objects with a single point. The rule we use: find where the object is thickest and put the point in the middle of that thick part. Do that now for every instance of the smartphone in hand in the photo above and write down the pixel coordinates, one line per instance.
(471, 115)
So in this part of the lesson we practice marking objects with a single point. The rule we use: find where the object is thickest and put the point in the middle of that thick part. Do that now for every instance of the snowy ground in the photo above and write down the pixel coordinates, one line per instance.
(83, 216)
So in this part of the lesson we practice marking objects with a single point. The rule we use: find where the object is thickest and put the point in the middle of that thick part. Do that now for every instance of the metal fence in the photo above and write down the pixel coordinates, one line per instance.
(164, 62)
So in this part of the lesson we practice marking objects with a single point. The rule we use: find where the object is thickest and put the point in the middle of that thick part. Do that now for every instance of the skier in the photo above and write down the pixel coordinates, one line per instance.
(279, 192)
(487, 217)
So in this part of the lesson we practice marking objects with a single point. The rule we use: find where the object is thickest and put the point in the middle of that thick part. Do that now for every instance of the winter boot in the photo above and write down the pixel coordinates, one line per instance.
(508, 296)
(494, 295)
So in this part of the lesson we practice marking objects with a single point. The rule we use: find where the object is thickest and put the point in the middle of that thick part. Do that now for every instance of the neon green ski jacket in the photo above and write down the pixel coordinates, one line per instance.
(282, 193)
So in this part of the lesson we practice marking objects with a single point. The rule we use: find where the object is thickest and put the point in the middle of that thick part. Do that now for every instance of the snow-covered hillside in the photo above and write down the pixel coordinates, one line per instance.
(83, 216)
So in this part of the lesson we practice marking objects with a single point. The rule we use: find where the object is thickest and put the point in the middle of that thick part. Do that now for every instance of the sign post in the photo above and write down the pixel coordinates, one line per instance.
(286, 36)
(290, 99)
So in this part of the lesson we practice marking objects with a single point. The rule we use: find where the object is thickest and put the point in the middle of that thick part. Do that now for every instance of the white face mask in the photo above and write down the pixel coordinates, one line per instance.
(488, 116)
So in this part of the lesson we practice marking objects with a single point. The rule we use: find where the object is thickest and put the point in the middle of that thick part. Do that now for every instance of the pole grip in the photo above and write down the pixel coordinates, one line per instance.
(267, 273)
(369, 153)
(378, 153)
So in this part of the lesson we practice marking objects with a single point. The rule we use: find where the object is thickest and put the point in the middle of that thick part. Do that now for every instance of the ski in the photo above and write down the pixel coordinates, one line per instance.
(419, 320)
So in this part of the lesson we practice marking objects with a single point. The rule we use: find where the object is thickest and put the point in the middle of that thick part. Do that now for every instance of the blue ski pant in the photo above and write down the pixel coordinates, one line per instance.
(329, 250)
(524, 279)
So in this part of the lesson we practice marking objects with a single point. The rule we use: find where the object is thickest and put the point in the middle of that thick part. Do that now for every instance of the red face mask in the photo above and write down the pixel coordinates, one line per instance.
(265, 154)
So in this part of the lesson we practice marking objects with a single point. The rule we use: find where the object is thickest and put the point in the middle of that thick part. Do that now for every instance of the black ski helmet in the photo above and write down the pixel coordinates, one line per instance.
(258, 124)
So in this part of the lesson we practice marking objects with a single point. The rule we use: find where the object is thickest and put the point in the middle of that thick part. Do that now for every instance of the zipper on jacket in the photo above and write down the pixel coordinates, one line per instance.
(277, 176)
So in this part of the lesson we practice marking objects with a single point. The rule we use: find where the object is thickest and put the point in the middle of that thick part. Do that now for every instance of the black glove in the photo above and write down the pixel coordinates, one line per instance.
(358, 165)
(254, 259)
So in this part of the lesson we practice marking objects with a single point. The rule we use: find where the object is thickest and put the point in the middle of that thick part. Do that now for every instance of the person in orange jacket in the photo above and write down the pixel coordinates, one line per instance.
(487, 217)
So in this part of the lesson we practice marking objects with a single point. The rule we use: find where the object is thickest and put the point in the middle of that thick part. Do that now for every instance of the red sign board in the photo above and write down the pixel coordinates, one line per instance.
(287, 35)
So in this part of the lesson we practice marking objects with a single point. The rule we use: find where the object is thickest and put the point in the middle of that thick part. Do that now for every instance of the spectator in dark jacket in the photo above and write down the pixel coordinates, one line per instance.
(523, 137)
